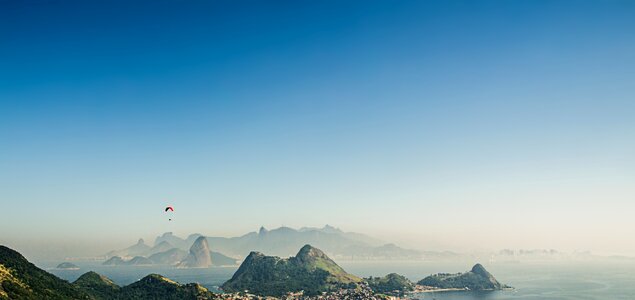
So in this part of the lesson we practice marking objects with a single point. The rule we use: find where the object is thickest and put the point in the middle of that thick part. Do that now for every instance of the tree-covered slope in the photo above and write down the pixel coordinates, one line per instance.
(310, 271)
(390, 284)
(20, 279)
(98, 286)
(155, 286)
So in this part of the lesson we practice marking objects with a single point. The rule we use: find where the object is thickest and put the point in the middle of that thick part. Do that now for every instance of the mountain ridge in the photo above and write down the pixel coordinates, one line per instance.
(310, 270)
(20, 279)
(284, 242)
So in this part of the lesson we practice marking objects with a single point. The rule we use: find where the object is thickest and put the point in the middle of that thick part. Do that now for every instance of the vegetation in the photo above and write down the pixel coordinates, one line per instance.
(98, 286)
(392, 283)
(310, 271)
(155, 286)
(20, 279)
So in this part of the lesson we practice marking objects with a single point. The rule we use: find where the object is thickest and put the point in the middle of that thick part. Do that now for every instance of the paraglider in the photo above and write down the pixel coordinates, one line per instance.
(169, 208)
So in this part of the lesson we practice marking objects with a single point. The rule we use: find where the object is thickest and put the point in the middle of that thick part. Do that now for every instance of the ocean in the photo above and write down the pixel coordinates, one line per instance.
(549, 280)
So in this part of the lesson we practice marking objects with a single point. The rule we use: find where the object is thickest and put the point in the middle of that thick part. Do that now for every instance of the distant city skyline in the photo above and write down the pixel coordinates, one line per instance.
(432, 124)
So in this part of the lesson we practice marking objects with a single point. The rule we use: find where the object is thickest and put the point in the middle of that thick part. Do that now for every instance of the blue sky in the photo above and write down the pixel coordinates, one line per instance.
(412, 120)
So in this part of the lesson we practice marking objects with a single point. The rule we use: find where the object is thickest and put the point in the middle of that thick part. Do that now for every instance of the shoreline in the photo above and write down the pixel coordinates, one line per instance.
(421, 290)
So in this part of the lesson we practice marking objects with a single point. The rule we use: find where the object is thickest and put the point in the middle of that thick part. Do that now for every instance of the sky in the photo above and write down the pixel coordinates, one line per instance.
(437, 125)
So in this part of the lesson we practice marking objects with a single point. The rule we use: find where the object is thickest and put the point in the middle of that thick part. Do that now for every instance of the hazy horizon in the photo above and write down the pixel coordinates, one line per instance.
(442, 125)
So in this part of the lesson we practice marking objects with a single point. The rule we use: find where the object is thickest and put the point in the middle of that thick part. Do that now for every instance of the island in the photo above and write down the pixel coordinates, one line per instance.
(67, 266)
(477, 279)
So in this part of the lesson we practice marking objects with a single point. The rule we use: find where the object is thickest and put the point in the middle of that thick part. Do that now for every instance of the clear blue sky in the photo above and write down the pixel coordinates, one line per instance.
(412, 120)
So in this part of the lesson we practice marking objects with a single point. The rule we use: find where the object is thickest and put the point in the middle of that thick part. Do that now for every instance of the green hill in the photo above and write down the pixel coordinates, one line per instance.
(155, 286)
(98, 286)
(476, 279)
(151, 287)
(390, 284)
(20, 279)
(310, 271)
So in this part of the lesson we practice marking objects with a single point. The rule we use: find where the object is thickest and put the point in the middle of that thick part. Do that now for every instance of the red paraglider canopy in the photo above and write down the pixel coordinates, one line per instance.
(169, 208)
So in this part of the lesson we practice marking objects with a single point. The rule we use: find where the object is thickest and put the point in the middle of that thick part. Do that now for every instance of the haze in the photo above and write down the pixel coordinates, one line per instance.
(436, 125)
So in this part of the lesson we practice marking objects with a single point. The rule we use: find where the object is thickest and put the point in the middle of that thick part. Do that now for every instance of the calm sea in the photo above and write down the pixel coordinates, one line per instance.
(556, 281)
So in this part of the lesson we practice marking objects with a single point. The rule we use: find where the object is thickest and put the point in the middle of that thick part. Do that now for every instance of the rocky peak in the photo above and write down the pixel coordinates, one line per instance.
(199, 256)
(262, 230)
(160, 247)
(254, 254)
(156, 278)
(330, 229)
(478, 269)
(141, 242)
(309, 251)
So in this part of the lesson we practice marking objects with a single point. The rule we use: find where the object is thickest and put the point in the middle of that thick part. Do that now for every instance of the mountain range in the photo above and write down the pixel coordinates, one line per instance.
(163, 253)
(285, 241)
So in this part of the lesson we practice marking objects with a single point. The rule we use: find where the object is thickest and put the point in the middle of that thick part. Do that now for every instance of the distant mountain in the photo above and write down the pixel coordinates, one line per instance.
(476, 279)
(310, 271)
(67, 266)
(176, 241)
(390, 284)
(139, 261)
(219, 259)
(98, 286)
(20, 279)
(135, 261)
(158, 248)
(284, 241)
(170, 257)
(114, 261)
(199, 256)
(140, 248)
(373, 242)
